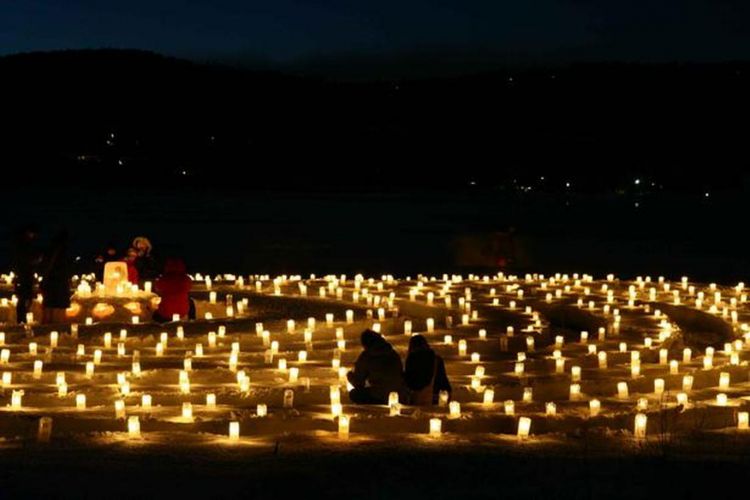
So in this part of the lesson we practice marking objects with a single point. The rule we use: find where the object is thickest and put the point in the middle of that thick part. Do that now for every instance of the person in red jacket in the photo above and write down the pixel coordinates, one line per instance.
(173, 286)
(130, 259)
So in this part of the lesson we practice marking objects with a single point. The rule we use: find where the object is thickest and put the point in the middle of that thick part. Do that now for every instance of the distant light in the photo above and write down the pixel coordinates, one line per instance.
(472, 183)
(707, 194)
(541, 178)
(637, 204)
(637, 181)
(184, 172)
(567, 184)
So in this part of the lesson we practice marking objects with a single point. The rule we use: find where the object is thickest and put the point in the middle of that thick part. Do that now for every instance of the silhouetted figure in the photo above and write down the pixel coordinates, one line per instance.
(55, 284)
(25, 260)
(377, 372)
(173, 286)
(425, 372)
(109, 254)
(147, 267)
(505, 249)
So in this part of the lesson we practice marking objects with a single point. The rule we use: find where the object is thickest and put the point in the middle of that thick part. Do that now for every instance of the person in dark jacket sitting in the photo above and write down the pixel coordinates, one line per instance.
(425, 372)
(377, 372)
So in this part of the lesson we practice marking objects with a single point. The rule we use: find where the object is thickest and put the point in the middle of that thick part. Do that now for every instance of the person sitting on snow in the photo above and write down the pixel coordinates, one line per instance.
(173, 286)
(377, 372)
(425, 372)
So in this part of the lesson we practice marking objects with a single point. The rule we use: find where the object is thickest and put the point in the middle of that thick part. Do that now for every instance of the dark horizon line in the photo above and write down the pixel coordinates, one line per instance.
(389, 65)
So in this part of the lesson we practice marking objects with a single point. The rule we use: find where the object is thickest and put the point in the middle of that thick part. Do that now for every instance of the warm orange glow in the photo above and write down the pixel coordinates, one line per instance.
(73, 311)
(134, 308)
(102, 310)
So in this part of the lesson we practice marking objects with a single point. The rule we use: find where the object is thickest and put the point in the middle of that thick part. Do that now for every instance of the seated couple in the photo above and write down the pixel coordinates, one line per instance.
(378, 372)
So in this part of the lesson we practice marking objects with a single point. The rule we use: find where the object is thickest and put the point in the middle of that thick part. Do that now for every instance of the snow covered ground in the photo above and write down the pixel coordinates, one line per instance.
(519, 337)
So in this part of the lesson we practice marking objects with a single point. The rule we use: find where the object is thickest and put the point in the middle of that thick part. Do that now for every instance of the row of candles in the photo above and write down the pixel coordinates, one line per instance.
(302, 355)
(435, 424)
(449, 281)
(462, 343)
(335, 281)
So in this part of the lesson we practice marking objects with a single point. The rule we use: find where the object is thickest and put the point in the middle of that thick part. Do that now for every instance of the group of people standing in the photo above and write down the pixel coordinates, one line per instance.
(142, 266)
(171, 280)
(378, 372)
(54, 266)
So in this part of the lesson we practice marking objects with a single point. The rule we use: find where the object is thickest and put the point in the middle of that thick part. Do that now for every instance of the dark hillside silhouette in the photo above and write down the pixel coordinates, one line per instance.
(90, 116)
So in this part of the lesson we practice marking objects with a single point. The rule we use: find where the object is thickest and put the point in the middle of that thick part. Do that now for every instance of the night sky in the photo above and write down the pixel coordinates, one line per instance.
(285, 31)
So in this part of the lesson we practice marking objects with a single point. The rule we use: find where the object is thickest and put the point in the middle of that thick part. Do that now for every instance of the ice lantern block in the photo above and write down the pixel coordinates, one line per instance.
(115, 274)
